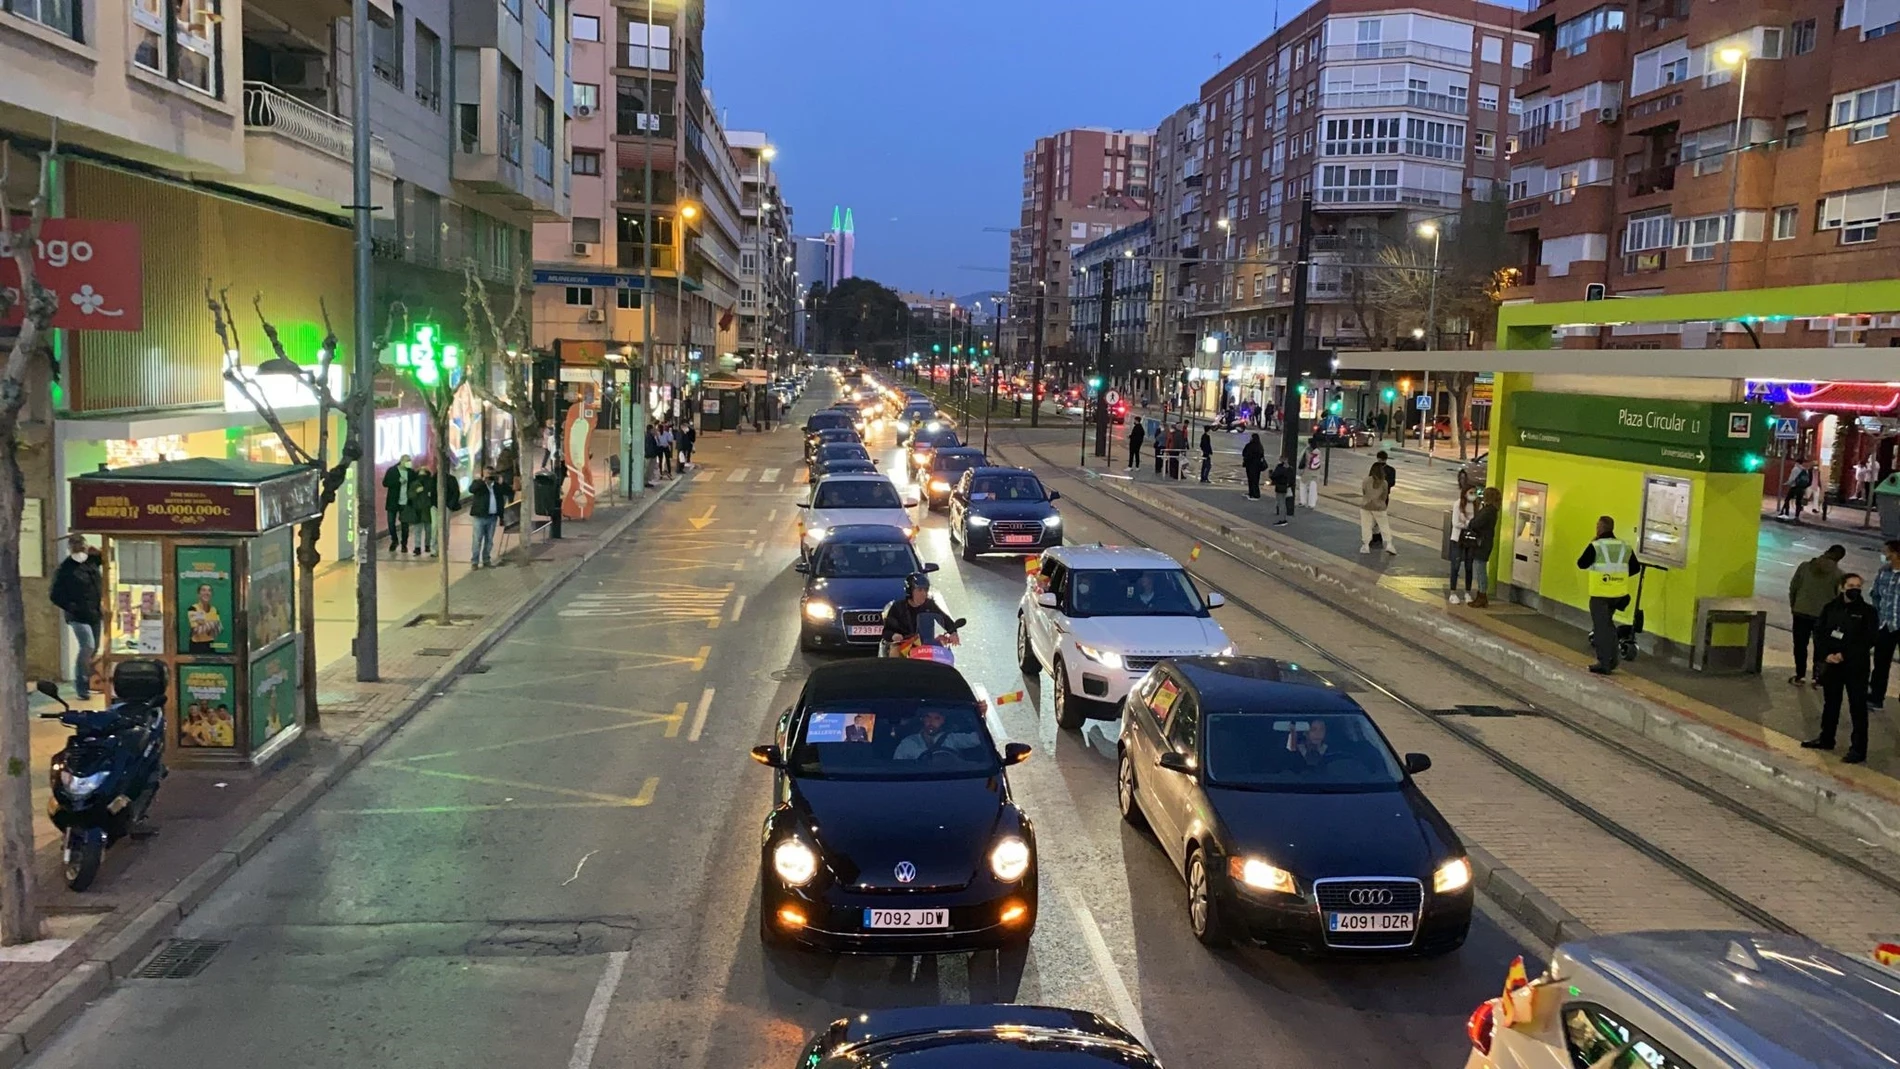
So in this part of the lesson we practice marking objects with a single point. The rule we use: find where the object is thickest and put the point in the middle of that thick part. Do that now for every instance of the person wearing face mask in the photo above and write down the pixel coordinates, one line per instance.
(79, 592)
(1843, 643)
(398, 483)
(1461, 515)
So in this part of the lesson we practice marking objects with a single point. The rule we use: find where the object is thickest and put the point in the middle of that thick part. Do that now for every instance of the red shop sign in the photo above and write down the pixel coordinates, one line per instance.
(95, 269)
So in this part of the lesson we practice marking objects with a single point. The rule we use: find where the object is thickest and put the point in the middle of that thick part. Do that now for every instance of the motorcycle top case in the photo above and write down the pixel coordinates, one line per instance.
(140, 681)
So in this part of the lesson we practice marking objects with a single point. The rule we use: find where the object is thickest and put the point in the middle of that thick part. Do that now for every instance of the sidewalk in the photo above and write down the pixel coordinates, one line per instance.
(211, 824)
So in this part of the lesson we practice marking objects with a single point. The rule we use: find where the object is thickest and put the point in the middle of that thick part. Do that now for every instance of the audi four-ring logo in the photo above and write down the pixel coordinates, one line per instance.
(907, 872)
(1359, 896)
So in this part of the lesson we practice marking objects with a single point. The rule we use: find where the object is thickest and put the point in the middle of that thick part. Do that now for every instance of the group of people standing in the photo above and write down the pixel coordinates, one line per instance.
(409, 497)
(1853, 633)
(1170, 449)
(669, 448)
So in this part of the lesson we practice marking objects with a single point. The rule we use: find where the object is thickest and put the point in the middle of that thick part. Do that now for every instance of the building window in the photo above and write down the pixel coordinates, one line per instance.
(586, 98)
(543, 137)
(510, 107)
(580, 296)
(1786, 218)
(1484, 144)
(1794, 130)
(586, 161)
(543, 27)
(633, 117)
(1860, 232)
(428, 68)
(1353, 185)
(1572, 36)
(585, 231)
(181, 41)
(626, 298)
(1801, 37)
(62, 16)
(1700, 237)
(1648, 231)
(1858, 214)
(586, 28)
(1487, 97)
(1435, 140)
(660, 53)
(1867, 112)
(385, 46)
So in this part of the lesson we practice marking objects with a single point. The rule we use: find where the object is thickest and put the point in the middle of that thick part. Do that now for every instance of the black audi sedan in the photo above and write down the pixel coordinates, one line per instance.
(943, 468)
(892, 829)
(1289, 815)
(1003, 510)
(857, 571)
(944, 1036)
(829, 452)
(926, 440)
(830, 436)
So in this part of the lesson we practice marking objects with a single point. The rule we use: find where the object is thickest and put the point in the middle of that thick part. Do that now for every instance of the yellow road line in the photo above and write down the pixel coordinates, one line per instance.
(673, 722)
(644, 720)
(643, 798)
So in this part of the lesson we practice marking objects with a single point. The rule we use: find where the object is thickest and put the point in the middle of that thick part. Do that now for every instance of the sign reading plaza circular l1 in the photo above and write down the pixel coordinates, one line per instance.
(1692, 435)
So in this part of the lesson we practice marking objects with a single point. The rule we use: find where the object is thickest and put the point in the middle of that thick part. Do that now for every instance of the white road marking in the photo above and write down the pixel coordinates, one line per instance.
(737, 608)
(772, 515)
(740, 475)
(596, 1020)
(699, 716)
(769, 475)
(1129, 1016)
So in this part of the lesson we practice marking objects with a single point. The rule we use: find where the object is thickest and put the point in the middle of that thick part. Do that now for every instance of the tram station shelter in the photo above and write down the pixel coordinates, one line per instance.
(1668, 442)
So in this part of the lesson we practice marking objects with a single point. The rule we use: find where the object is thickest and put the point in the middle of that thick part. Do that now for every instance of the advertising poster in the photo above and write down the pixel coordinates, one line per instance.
(273, 693)
(207, 696)
(270, 596)
(207, 619)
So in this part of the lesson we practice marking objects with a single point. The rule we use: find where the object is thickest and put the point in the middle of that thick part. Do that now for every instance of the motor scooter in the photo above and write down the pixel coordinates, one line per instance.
(927, 645)
(106, 777)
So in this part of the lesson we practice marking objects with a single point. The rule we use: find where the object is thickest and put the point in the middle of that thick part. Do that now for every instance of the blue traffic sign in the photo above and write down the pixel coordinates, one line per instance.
(1787, 429)
(1424, 402)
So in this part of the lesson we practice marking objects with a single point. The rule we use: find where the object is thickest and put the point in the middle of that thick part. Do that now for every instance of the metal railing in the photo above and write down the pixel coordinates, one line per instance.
(267, 107)
(1457, 57)
(1395, 98)
(1347, 197)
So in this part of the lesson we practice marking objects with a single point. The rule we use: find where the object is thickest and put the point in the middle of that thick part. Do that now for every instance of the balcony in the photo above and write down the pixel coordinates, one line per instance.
(1524, 210)
(1396, 98)
(631, 256)
(1457, 57)
(1645, 113)
(1652, 180)
(1382, 198)
(299, 153)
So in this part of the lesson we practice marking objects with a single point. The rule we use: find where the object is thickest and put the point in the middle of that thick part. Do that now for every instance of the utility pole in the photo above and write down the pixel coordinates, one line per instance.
(1296, 359)
(364, 366)
(1107, 305)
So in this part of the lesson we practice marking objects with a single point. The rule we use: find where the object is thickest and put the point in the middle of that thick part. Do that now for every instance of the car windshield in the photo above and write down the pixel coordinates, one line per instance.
(844, 451)
(1006, 488)
(867, 560)
(891, 738)
(1135, 592)
(857, 494)
(919, 412)
(1317, 751)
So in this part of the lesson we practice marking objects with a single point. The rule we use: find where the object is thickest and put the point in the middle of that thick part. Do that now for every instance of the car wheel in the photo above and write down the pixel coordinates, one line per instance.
(1125, 790)
(1025, 653)
(1068, 707)
(969, 550)
(805, 642)
(1204, 915)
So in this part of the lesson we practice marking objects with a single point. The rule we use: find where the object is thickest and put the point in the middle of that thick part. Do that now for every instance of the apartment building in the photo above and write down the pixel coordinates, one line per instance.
(1634, 176)
(1388, 116)
(1179, 201)
(1078, 185)
(1122, 259)
(766, 261)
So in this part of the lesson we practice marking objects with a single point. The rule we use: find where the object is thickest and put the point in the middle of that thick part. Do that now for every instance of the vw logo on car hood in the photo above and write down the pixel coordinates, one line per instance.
(1362, 896)
(906, 872)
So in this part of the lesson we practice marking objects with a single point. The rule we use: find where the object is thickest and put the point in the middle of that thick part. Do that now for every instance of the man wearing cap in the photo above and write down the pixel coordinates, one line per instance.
(903, 618)
(79, 592)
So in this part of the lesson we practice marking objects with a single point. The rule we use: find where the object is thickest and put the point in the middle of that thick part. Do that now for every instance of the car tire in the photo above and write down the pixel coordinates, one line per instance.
(1125, 798)
(1069, 714)
(805, 643)
(969, 550)
(1026, 653)
(1204, 914)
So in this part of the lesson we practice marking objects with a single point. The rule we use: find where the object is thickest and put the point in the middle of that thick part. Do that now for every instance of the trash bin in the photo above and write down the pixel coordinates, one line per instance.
(547, 494)
(1887, 499)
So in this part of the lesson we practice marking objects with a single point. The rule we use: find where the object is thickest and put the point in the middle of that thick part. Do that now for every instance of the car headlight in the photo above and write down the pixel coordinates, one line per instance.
(81, 786)
(1261, 876)
(1053, 521)
(794, 862)
(1453, 875)
(1105, 658)
(1010, 859)
(820, 610)
(817, 534)
(978, 521)
(904, 425)
(940, 486)
(910, 532)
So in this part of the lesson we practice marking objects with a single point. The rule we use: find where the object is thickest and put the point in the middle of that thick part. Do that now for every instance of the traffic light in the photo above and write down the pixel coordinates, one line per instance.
(1752, 461)
(1301, 389)
(1390, 395)
(936, 347)
(693, 377)
(1336, 407)
(1095, 382)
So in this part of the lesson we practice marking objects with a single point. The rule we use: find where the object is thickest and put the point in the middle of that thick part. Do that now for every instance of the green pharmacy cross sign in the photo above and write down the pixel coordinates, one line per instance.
(426, 358)
(1689, 435)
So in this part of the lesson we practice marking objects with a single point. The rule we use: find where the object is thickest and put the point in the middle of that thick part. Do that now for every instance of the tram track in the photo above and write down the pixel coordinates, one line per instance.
(1736, 901)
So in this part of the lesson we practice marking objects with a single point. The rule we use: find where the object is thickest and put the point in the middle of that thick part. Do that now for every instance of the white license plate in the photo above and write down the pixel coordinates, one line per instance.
(1369, 922)
(1019, 540)
(864, 630)
(907, 918)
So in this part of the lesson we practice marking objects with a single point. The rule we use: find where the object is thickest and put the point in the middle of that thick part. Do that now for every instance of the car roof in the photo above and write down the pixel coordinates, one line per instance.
(997, 469)
(852, 476)
(1768, 1000)
(866, 532)
(1100, 556)
(832, 447)
(886, 677)
(1265, 685)
(959, 451)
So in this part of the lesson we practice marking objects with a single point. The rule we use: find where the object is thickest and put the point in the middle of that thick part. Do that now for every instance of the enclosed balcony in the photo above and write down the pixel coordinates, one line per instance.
(295, 151)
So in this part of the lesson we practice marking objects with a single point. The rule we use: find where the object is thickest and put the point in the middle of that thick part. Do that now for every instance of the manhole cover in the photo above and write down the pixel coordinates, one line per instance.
(1480, 710)
(435, 651)
(180, 959)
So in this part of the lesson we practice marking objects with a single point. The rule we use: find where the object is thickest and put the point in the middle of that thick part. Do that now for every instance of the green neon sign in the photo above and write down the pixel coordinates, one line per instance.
(425, 357)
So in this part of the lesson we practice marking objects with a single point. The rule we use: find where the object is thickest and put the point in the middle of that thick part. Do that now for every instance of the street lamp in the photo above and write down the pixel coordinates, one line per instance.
(1734, 57)
(688, 212)
(1437, 234)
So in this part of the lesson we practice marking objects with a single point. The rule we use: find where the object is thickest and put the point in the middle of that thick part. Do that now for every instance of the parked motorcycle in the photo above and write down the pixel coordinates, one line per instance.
(105, 779)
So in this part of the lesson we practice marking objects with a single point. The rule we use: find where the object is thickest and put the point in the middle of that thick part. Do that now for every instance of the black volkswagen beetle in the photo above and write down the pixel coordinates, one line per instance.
(1292, 820)
(892, 829)
(933, 1036)
(857, 571)
(1003, 510)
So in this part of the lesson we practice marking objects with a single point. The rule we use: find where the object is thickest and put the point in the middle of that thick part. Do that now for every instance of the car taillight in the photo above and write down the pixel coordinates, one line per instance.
(1482, 1027)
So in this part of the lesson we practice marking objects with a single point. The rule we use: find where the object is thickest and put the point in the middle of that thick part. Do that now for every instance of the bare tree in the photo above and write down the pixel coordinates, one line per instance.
(316, 379)
(29, 367)
(499, 350)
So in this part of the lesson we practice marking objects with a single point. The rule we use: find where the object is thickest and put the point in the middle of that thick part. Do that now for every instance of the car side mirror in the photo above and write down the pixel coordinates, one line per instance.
(932, 567)
(48, 688)
(804, 504)
(769, 756)
(1055, 495)
(1016, 753)
(1214, 599)
(1047, 600)
(1175, 761)
(1416, 763)
(802, 568)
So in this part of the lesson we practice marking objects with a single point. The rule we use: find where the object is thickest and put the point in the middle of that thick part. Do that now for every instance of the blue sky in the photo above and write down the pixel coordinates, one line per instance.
(916, 113)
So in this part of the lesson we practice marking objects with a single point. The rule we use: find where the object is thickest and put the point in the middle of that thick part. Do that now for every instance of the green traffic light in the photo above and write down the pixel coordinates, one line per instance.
(1336, 407)
(1095, 382)
(1391, 395)
(936, 347)
(1752, 461)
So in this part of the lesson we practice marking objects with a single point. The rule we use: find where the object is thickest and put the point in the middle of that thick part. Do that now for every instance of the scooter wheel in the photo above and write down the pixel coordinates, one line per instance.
(82, 862)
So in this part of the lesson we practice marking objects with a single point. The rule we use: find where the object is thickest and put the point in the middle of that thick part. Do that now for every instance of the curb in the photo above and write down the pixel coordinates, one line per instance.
(120, 956)
(1514, 894)
(1868, 816)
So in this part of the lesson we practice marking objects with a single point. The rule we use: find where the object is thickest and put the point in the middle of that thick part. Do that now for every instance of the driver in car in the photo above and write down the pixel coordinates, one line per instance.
(932, 738)
(1310, 744)
(903, 619)
(1145, 590)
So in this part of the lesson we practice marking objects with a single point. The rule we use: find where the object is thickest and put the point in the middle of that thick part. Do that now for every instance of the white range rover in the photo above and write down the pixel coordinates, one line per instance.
(1098, 617)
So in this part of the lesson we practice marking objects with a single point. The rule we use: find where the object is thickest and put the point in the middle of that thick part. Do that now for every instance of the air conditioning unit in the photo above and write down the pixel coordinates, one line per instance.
(1608, 114)
(596, 315)
(584, 111)
(582, 248)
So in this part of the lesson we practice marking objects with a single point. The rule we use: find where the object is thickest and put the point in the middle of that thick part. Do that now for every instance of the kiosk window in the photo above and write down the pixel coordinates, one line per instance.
(135, 598)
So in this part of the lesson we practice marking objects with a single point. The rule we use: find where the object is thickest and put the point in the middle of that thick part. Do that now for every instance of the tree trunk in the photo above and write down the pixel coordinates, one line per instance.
(441, 517)
(19, 910)
(308, 557)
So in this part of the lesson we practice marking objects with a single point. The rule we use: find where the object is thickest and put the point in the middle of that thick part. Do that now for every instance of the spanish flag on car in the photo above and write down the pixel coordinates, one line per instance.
(1515, 980)
(1032, 565)
(1195, 553)
(1888, 954)
(1011, 698)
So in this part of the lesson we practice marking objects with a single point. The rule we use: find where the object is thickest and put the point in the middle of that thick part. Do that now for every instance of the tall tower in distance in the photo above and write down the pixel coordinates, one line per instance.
(840, 247)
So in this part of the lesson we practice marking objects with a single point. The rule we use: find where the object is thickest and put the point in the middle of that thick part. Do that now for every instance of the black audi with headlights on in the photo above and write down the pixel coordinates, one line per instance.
(1290, 817)
(892, 829)
(857, 571)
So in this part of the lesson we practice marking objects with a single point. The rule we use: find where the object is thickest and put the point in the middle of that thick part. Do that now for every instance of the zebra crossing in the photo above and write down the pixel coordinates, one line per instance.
(796, 476)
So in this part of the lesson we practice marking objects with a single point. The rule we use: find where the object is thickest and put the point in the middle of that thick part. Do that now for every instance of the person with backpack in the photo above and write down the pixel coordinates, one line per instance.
(1795, 497)
(1375, 498)
(1282, 478)
(1253, 460)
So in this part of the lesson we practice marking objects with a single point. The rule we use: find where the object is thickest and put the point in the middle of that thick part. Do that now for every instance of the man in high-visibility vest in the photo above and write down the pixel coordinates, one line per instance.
(1607, 564)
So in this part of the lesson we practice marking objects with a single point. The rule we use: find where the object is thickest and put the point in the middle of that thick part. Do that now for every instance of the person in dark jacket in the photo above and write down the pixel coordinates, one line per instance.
(397, 485)
(653, 454)
(419, 513)
(688, 436)
(1136, 433)
(1253, 459)
(1815, 583)
(488, 498)
(78, 591)
(1282, 479)
(1843, 643)
(1476, 540)
(1207, 454)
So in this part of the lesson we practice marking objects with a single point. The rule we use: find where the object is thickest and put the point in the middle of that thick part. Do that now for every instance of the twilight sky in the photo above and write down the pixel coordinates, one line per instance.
(916, 113)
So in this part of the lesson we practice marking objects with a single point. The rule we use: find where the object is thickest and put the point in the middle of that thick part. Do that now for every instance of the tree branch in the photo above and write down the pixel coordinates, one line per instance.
(225, 325)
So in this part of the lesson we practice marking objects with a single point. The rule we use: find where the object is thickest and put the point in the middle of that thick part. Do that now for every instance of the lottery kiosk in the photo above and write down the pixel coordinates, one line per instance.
(200, 573)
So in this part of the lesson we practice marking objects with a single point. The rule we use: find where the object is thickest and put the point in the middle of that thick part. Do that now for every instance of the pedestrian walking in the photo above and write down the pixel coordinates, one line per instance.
(1608, 562)
(689, 436)
(1207, 454)
(1160, 446)
(1282, 478)
(1887, 607)
(488, 500)
(665, 440)
(1479, 535)
(1842, 641)
(397, 483)
(1375, 498)
(1795, 495)
(1816, 582)
(78, 591)
(1136, 433)
(419, 513)
(1253, 459)
(1309, 475)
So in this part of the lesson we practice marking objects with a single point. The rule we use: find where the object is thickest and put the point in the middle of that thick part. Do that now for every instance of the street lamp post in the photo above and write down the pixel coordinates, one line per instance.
(688, 213)
(368, 623)
(1735, 57)
(1437, 234)
(766, 155)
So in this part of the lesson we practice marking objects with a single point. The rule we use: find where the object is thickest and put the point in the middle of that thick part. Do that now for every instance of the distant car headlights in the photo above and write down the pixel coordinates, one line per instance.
(1105, 658)
(1261, 876)
(977, 521)
(940, 486)
(1453, 875)
(820, 610)
(1009, 859)
(794, 862)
